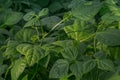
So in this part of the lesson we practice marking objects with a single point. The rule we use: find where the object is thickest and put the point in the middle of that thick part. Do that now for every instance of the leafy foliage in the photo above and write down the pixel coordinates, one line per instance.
(59, 40)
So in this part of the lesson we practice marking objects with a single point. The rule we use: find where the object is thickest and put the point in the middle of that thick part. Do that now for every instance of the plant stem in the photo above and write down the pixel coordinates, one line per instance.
(54, 27)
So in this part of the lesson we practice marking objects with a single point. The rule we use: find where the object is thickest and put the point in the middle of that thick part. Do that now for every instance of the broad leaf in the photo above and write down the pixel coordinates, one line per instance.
(25, 77)
(70, 53)
(77, 69)
(109, 18)
(11, 49)
(114, 77)
(2, 69)
(25, 35)
(51, 21)
(18, 68)
(13, 18)
(32, 53)
(86, 10)
(79, 30)
(59, 69)
(55, 6)
(109, 37)
(105, 64)
(88, 66)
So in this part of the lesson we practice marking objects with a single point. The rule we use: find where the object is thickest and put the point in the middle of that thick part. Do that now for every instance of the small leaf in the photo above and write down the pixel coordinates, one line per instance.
(105, 64)
(31, 22)
(29, 16)
(59, 69)
(43, 12)
(88, 66)
(18, 68)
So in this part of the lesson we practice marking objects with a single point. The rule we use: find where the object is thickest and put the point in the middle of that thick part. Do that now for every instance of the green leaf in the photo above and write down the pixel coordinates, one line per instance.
(86, 10)
(43, 12)
(55, 6)
(41, 3)
(1, 78)
(11, 49)
(70, 53)
(109, 18)
(31, 22)
(59, 69)
(32, 53)
(29, 16)
(88, 66)
(51, 21)
(105, 64)
(114, 77)
(13, 18)
(79, 30)
(25, 35)
(18, 68)
(3, 69)
(25, 77)
(77, 69)
(45, 61)
(109, 37)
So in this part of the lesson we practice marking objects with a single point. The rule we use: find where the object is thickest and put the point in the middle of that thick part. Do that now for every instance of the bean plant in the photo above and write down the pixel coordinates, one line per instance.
(59, 40)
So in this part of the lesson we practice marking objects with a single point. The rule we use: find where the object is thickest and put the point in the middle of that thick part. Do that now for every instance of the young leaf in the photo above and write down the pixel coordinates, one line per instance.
(18, 68)
(105, 64)
(59, 69)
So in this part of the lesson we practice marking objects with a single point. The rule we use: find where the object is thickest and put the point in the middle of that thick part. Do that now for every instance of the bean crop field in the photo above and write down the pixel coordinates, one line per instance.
(59, 39)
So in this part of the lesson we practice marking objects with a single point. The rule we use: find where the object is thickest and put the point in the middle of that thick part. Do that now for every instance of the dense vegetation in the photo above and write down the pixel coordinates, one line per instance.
(59, 40)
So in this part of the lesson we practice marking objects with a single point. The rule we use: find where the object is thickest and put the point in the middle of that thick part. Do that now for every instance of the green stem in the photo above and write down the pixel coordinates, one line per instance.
(36, 28)
(54, 27)
(35, 72)
(87, 38)
(96, 34)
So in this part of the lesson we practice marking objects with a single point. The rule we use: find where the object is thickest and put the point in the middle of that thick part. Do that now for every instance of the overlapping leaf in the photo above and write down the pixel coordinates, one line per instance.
(59, 69)
(32, 53)
(18, 68)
